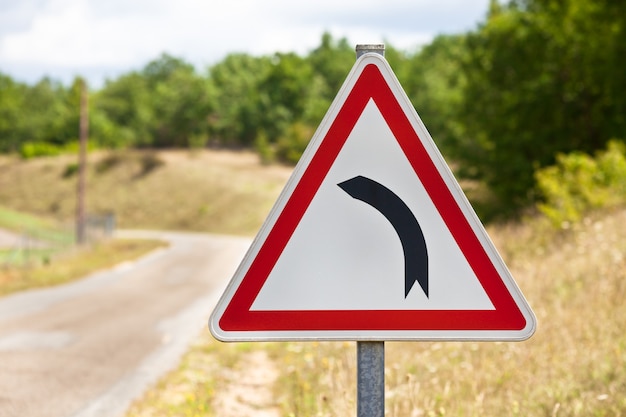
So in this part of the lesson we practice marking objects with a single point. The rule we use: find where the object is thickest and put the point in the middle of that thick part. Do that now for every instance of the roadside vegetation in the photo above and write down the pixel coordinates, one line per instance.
(575, 364)
(215, 191)
(43, 254)
(71, 264)
(569, 258)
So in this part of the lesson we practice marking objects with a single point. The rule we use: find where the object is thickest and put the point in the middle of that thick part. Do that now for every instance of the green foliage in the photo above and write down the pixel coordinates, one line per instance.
(433, 79)
(123, 111)
(537, 78)
(70, 170)
(179, 101)
(30, 150)
(331, 61)
(284, 93)
(263, 147)
(579, 183)
(11, 103)
(233, 83)
(34, 149)
(542, 77)
(289, 148)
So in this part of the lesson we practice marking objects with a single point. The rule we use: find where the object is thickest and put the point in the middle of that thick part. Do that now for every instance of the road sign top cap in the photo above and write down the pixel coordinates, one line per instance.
(362, 49)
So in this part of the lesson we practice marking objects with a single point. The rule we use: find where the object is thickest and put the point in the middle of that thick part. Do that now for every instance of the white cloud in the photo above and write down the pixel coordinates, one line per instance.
(104, 38)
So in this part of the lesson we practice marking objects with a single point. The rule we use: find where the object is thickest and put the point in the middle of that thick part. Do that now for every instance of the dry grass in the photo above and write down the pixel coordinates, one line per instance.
(575, 280)
(216, 191)
(201, 383)
(575, 365)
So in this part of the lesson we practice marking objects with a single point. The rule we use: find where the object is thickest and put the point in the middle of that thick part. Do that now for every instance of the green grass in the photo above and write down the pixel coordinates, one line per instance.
(40, 238)
(19, 221)
(24, 256)
(36, 226)
(48, 256)
(73, 264)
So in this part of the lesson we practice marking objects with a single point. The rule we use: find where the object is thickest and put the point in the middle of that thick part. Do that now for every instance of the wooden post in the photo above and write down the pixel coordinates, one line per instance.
(82, 164)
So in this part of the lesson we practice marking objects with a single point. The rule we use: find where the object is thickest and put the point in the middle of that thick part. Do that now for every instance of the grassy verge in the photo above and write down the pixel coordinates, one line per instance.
(41, 227)
(74, 264)
(18, 221)
(202, 375)
(575, 365)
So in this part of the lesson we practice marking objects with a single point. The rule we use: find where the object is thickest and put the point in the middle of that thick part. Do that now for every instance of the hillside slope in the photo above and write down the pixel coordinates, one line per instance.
(214, 191)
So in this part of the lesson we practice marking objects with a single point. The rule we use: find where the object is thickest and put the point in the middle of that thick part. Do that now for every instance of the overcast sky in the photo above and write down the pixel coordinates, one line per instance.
(102, 39)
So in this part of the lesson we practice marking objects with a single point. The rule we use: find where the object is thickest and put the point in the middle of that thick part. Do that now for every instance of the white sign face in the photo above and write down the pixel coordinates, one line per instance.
(354, 259)
(372, 238)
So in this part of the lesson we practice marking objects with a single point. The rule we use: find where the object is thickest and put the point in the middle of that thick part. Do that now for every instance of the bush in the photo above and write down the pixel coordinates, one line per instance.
(70, 170)
(149, 162)
(289, 147)
(579, 183)
(264, 148)
(30, 150)
(109, 162)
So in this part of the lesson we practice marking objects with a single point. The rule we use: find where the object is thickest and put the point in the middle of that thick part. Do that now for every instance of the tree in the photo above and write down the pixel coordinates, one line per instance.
(123, 111)
(180, 102)
(284, 93)
(167, 104)
(11, 120)
(541, 76)
(46, 111)
(331, 61)
(434, 81)
(234, 83)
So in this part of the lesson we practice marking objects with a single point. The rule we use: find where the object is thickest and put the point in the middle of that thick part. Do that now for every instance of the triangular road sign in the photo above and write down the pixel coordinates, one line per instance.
(372, 238)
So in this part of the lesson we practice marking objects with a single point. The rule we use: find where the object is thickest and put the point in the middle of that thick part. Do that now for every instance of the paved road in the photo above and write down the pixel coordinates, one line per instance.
(89, 348)
(8, 239)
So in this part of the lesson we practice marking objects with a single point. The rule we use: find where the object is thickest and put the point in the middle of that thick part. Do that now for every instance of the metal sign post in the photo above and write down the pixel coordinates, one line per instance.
(370, 384)
(370, 356)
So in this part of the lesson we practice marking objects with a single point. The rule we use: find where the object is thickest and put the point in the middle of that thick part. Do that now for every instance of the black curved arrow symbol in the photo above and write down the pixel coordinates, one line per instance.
(402, 220)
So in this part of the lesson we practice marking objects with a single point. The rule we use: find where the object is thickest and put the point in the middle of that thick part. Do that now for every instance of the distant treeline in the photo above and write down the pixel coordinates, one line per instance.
(536, 78)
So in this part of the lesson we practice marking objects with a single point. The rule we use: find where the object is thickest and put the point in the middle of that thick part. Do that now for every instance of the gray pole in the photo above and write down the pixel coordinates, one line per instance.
(378, 48)
(370, 380)
(370, 356)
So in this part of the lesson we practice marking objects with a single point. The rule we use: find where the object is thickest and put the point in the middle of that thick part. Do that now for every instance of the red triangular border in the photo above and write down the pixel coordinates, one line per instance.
(237, 316)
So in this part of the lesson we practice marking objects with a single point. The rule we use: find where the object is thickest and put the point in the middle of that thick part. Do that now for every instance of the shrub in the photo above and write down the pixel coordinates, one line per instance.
(289, 147)
(150, 162)
(70, 170)
(264, 148)
(109, 162)
(30, 150)
(579, 183)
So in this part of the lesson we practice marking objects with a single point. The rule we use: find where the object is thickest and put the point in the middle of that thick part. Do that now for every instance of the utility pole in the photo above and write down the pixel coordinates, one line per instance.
(82, 163)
